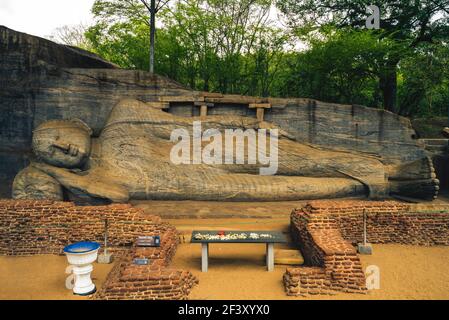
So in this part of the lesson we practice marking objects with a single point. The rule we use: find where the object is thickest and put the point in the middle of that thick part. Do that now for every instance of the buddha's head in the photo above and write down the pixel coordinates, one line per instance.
(63, 143)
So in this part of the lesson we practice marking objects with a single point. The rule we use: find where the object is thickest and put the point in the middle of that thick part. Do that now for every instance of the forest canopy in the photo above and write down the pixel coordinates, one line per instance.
(317, 49)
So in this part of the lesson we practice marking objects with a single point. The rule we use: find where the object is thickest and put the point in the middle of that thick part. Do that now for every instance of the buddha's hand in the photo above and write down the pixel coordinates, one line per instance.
(69, 149)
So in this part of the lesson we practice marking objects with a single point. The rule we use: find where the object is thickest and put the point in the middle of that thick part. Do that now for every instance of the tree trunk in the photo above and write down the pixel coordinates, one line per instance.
(152, 33)
(389, 86)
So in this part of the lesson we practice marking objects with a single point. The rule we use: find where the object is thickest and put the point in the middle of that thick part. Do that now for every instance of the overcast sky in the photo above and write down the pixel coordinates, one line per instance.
(41, 17)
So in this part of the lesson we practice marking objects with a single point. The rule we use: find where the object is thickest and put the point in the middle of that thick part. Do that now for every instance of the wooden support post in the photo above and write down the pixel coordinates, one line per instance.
(204, 257)
(270, 256)
(260, 109)
(203, 112)
(260, 114)
(204, 106)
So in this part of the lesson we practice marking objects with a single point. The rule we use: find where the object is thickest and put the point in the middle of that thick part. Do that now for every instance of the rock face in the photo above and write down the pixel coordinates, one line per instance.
(137, 157)
(42, 81)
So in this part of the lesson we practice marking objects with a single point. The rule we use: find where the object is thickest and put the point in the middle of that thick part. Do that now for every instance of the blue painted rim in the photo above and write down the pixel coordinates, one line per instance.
(82, 247)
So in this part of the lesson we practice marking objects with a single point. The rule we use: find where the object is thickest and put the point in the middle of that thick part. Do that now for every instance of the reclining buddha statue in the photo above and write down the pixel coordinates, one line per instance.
(131, 160)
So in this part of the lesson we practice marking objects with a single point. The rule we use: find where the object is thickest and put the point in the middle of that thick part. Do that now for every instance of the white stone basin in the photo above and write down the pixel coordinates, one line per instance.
(81, 255)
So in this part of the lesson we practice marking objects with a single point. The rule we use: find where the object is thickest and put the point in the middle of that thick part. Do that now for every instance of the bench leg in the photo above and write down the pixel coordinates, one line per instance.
(204, 257)
(270, 256)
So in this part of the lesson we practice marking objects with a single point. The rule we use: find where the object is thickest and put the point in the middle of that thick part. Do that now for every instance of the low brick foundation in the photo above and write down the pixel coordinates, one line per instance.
(46, 227)
(387, 222)
(154, 281)
(333, 264)
(327, 230)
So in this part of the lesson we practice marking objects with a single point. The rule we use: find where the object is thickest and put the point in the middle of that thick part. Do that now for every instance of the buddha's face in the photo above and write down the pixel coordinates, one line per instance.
(64, 144)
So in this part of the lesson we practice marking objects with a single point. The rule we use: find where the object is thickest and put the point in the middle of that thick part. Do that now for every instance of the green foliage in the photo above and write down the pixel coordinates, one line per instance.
(233, 46)
(340, 66)
(408, 25)
(425, 82)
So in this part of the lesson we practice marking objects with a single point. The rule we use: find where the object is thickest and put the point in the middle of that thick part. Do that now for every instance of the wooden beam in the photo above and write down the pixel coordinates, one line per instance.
(235, 99)
(211, 95)
(180, 98)
(158, 105)
(260, 106)
(200, 103)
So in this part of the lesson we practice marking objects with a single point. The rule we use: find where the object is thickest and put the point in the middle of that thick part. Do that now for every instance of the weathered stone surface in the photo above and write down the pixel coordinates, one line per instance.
(31, 181)
(132, 160)
(43, 81)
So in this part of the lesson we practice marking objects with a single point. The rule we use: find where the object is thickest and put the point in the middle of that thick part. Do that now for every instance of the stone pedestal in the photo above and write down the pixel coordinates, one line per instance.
(105, 258)
(365, 249)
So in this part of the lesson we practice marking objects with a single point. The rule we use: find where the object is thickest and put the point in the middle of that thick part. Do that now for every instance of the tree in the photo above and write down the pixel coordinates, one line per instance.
(115, 12)
(153, 8)
(409, 23)
(222, 38)
(72, 36)
(340, 65)
(230, 46)
(424, 89)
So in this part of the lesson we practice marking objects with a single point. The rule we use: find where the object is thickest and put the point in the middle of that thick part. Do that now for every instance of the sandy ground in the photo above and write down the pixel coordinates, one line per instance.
(40, 278)
(237, 271)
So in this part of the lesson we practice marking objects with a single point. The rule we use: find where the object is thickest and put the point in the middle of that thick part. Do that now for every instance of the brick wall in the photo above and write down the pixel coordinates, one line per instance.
(387, 222)
(327, 230)
(155, 281)
(46, 227)
(332, 263)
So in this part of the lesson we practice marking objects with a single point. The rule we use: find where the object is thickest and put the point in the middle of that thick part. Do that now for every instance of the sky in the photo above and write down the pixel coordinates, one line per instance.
(42, 17)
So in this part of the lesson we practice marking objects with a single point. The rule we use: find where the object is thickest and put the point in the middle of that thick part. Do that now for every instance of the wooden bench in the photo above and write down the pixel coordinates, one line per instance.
(263, 237)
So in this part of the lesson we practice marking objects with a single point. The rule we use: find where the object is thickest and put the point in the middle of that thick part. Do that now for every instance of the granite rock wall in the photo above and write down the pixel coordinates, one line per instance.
(41, 80)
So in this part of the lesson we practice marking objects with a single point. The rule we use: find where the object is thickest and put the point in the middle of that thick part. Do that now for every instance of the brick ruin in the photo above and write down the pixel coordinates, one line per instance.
(332, 263)
(156, 281)
(326, 231)
(46, 227)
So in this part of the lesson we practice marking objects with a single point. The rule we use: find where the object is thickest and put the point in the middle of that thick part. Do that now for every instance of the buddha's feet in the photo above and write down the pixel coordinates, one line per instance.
(416, 180)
